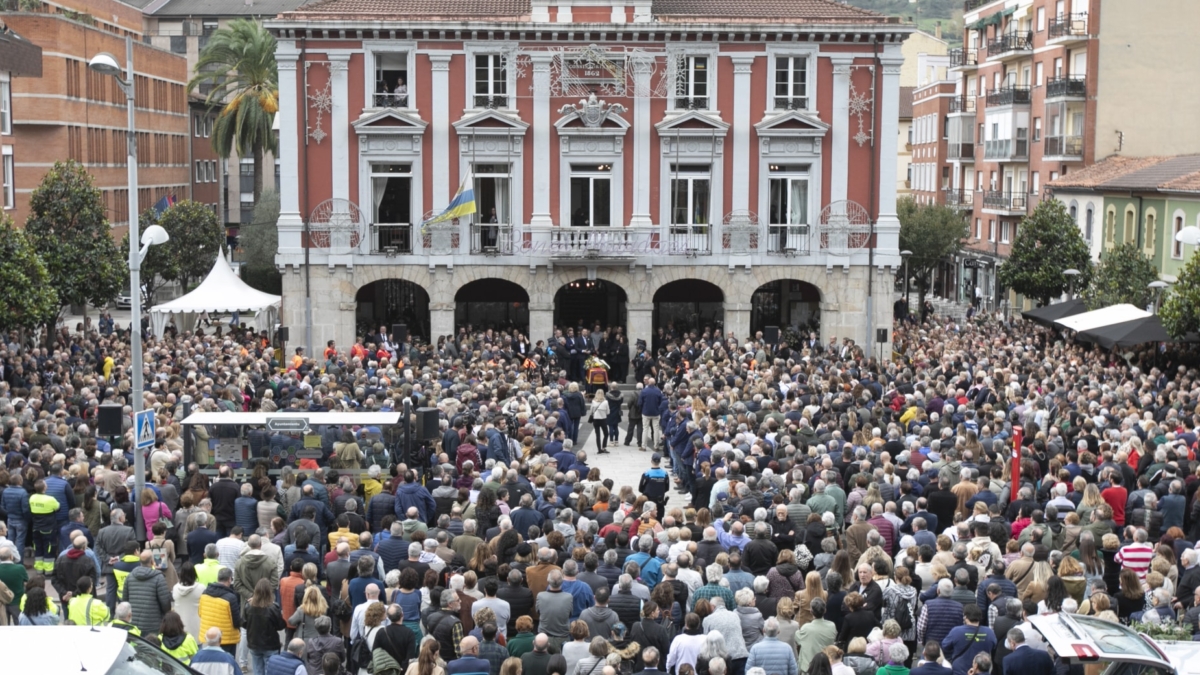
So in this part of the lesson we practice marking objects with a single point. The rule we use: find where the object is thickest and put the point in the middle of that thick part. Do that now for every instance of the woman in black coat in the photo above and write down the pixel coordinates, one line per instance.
(858, 621)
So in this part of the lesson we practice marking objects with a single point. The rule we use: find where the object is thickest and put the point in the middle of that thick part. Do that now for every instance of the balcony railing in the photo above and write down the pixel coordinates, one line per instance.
(974, 4)
(962, 104)
(491, 102)
(958, 198)
(491, 239)
(1008, 96)
(689, 239)
(691, 103)
(789, 239)
(1004, 201)
(963, 57)
(788, 102)
(1006, 148)
(1008, 43)
(1063, 146)
(391, 238)
(961, 151)
(1068, 25)
(386, 100)
(1066, 87)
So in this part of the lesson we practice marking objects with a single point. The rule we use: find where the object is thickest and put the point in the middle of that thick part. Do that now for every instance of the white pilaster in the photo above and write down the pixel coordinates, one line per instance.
(888, 227)
(640, 319)
(840, 169)
(339, 122)
(541, 139)
(643, 70)
(541, 320)
(290, 223)
(742, 65)
(440, 89)
(441, 319)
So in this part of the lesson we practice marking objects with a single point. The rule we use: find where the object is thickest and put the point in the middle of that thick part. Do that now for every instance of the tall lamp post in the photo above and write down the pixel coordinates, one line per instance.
(904, 256)
(1070, 274)
(1156, 288)
(106, 64)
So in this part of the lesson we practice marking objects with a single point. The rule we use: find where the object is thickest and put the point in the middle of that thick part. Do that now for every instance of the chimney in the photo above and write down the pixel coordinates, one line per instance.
(937, 29)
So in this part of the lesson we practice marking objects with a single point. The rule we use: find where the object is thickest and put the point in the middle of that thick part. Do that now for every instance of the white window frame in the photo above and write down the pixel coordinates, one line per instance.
(200, 171)
(587, 172)
(810, 93)
(480, 216)
(1041, 19)
(688, 55)
(372, 174)
(793, 173)
(197, 125)
(978, 229)
(992, 230)
(9, 176)
(370, 49)
(6, 108)
(694, 174)
(496, 48)
(1178, 222)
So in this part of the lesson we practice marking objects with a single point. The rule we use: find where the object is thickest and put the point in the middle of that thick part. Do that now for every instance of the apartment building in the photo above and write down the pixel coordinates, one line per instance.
(18, 58)
(72, 112)
(925, 59)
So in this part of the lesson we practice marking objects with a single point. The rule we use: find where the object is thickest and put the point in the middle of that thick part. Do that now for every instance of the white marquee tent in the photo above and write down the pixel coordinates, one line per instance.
(221, 291)
(1099, 318)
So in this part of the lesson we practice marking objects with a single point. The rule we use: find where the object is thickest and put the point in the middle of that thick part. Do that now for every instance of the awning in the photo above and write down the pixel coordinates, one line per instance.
(1099, 318)
(991, 19)
(1048, 314)
(1127, 333)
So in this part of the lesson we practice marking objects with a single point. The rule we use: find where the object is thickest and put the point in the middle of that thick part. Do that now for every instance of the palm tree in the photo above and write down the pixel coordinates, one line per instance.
(239, 63)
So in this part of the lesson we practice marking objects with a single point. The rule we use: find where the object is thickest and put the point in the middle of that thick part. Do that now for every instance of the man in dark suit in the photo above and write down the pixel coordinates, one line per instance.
(930, 664)
(1025, 659)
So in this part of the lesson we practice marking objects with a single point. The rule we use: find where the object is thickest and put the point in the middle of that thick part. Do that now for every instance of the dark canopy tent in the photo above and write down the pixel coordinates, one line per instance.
(1126, 333)
(1048, 314)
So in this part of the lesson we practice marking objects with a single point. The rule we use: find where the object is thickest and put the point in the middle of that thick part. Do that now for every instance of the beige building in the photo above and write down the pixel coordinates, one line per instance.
(925, 61)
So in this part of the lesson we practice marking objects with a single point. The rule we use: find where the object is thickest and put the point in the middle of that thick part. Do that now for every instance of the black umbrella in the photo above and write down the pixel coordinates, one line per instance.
(1048, 314)
(1126, 333)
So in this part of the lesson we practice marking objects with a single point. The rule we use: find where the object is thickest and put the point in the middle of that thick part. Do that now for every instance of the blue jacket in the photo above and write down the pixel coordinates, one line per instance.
(963, 643)
(772, 656)
(319, 491)
(216, 655)
(16, 503)
(650, 401)
(413, 494)
(380, 506)
(245, 512)
(1029, 661)
(285, 664)
(941, 615)
(391, 552)
(61, 490)
(497, 447)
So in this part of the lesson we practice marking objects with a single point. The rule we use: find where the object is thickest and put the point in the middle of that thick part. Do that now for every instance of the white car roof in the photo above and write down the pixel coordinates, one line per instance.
(60, 650)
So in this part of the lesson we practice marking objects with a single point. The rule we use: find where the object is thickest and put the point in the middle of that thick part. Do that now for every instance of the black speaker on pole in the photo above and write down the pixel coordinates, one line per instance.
(283, 333)
(881, 335)
(771, 335)
(110, 422)
(427, 424)
(399, 333)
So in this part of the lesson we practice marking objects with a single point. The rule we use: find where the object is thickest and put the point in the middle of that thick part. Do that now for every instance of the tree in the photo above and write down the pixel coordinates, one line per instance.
(160, 265)
(239, 63)
(67, 228)
(25, 291)
(1123, 276)
(259, 242)
(1048, 242)
(933, 233)
(196, 240)
(1180, 311)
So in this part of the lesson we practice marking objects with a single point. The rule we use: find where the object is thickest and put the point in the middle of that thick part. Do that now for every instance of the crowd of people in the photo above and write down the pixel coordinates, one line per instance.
(805, 509)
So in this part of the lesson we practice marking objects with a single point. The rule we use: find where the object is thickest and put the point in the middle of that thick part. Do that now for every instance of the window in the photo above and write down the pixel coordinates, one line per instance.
(246, 177)
(1110, 227)
(391, 193)
(208, 125)
(689, 195)
(198, 125)
(1037, 129)
(491, 81)
(691, 89)
(1058, 65)
(1036, 180)
(391, 79)
(200, 174)
(789, 194)
(1074, 211)
(1041, 19)
(978, 229)
(1128, 235)
(178, 44)
(493, 192)
(791, 82)
(991, 230)
(1004, 226)
(591, 195)
(5, 107)
(10, 179)
(1039, 74)
(1176, 245)
(1151, 232)
(1088, 218)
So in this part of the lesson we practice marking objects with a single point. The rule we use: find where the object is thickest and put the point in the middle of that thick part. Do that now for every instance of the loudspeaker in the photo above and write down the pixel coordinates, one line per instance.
(427, 424)
(771, 334)
(283, 333)
(109, 421)
(399, 333)
(881, 335)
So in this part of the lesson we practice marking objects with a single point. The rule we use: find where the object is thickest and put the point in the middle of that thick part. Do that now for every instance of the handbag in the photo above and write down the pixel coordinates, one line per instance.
(804, 557)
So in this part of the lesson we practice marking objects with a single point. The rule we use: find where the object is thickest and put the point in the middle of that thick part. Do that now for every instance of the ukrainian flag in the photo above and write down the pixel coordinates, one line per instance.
(463, 204)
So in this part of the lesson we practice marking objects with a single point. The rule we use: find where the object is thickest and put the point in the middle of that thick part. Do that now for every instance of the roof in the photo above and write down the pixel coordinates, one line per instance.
(221, 8)
(20, 57)
(1141, 174)
(816, 11)
(39, 649)
(221, 291)
(906, 102)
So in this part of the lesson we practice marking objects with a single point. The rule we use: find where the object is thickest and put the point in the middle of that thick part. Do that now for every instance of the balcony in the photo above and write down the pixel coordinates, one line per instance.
(971, 5)
(1005, 202)
(491, 102)
(1066, 87)
(789, 239)
(694, 103)
(491, 239)
(1066, 28)
(962, 104)
(788, 102)
(964, 58)
(1009, 44)
(391, 238)
(1006, 149)
(387, 100)
(1008, 96)
(1063, 148)
(959, 199)
(963, 152)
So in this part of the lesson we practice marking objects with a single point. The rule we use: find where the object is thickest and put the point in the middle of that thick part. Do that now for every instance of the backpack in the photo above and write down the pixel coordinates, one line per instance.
(902, 613)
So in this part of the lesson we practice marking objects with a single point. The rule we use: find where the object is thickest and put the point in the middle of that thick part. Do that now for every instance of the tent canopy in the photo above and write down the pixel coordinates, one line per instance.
(221, 291)
(1048, 314)
(1102, 317)
(1126, 333)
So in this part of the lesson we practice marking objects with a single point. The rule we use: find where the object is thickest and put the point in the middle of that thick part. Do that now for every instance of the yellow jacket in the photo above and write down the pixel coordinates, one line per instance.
(185, 651)
(206, 572)
(219, 606)
(78, 611)
(371, 487)
(351, 538)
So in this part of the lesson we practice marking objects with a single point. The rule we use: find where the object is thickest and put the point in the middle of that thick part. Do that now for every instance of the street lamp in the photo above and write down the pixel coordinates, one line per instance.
(904, 257)
(106, 64)
(1156, 288)
(1070, 274)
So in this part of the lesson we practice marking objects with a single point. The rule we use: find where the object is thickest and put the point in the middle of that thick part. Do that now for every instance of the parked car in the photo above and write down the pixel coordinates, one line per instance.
(125, 300)
(92, 650)
(1084, 639)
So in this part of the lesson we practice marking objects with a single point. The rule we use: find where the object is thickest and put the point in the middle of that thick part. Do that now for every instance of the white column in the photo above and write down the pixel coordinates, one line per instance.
(737, 321)
(441, 319)
(888, 227)
(541, 140)
(290, 224)
(643, 69)
(742, 65)
(640, 317)
(541, 320)
(841, 128)
(339, 123)
(440, 88)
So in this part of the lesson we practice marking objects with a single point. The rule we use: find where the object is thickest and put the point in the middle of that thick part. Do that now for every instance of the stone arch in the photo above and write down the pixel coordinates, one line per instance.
(590, 301)
(390, 301)
(792, 305)
(492, 302)
(689, 304)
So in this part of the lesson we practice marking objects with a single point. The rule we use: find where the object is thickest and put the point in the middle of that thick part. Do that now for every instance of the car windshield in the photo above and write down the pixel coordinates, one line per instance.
(1115, 638)
(140, 658)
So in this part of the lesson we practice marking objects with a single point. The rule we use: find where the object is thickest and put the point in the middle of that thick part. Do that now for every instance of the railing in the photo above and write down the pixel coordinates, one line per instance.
(958, 198)
(788, 103)
(1004, 201)
(963, 57)
(689, 239)
(584, 242)
(491, 102)
(974, 4)
(1068, 25)
(1013, 95)
(1006, 148)
(491, 238)
(1066, 87)
(386, 100)
(789, 239)
(1009, 42)
(691, 103)
(1063, 146)
(391, 238)
(960, 151)
(962, 104)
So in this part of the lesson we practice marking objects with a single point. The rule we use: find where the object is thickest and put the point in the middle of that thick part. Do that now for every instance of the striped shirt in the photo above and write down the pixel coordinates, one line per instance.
(1136, 557)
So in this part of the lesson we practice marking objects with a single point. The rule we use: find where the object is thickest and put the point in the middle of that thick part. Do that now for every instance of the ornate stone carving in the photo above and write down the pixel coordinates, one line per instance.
(592, 111)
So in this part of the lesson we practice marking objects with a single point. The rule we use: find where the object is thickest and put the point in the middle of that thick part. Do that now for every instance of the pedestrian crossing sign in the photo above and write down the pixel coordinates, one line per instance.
(144, 429)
